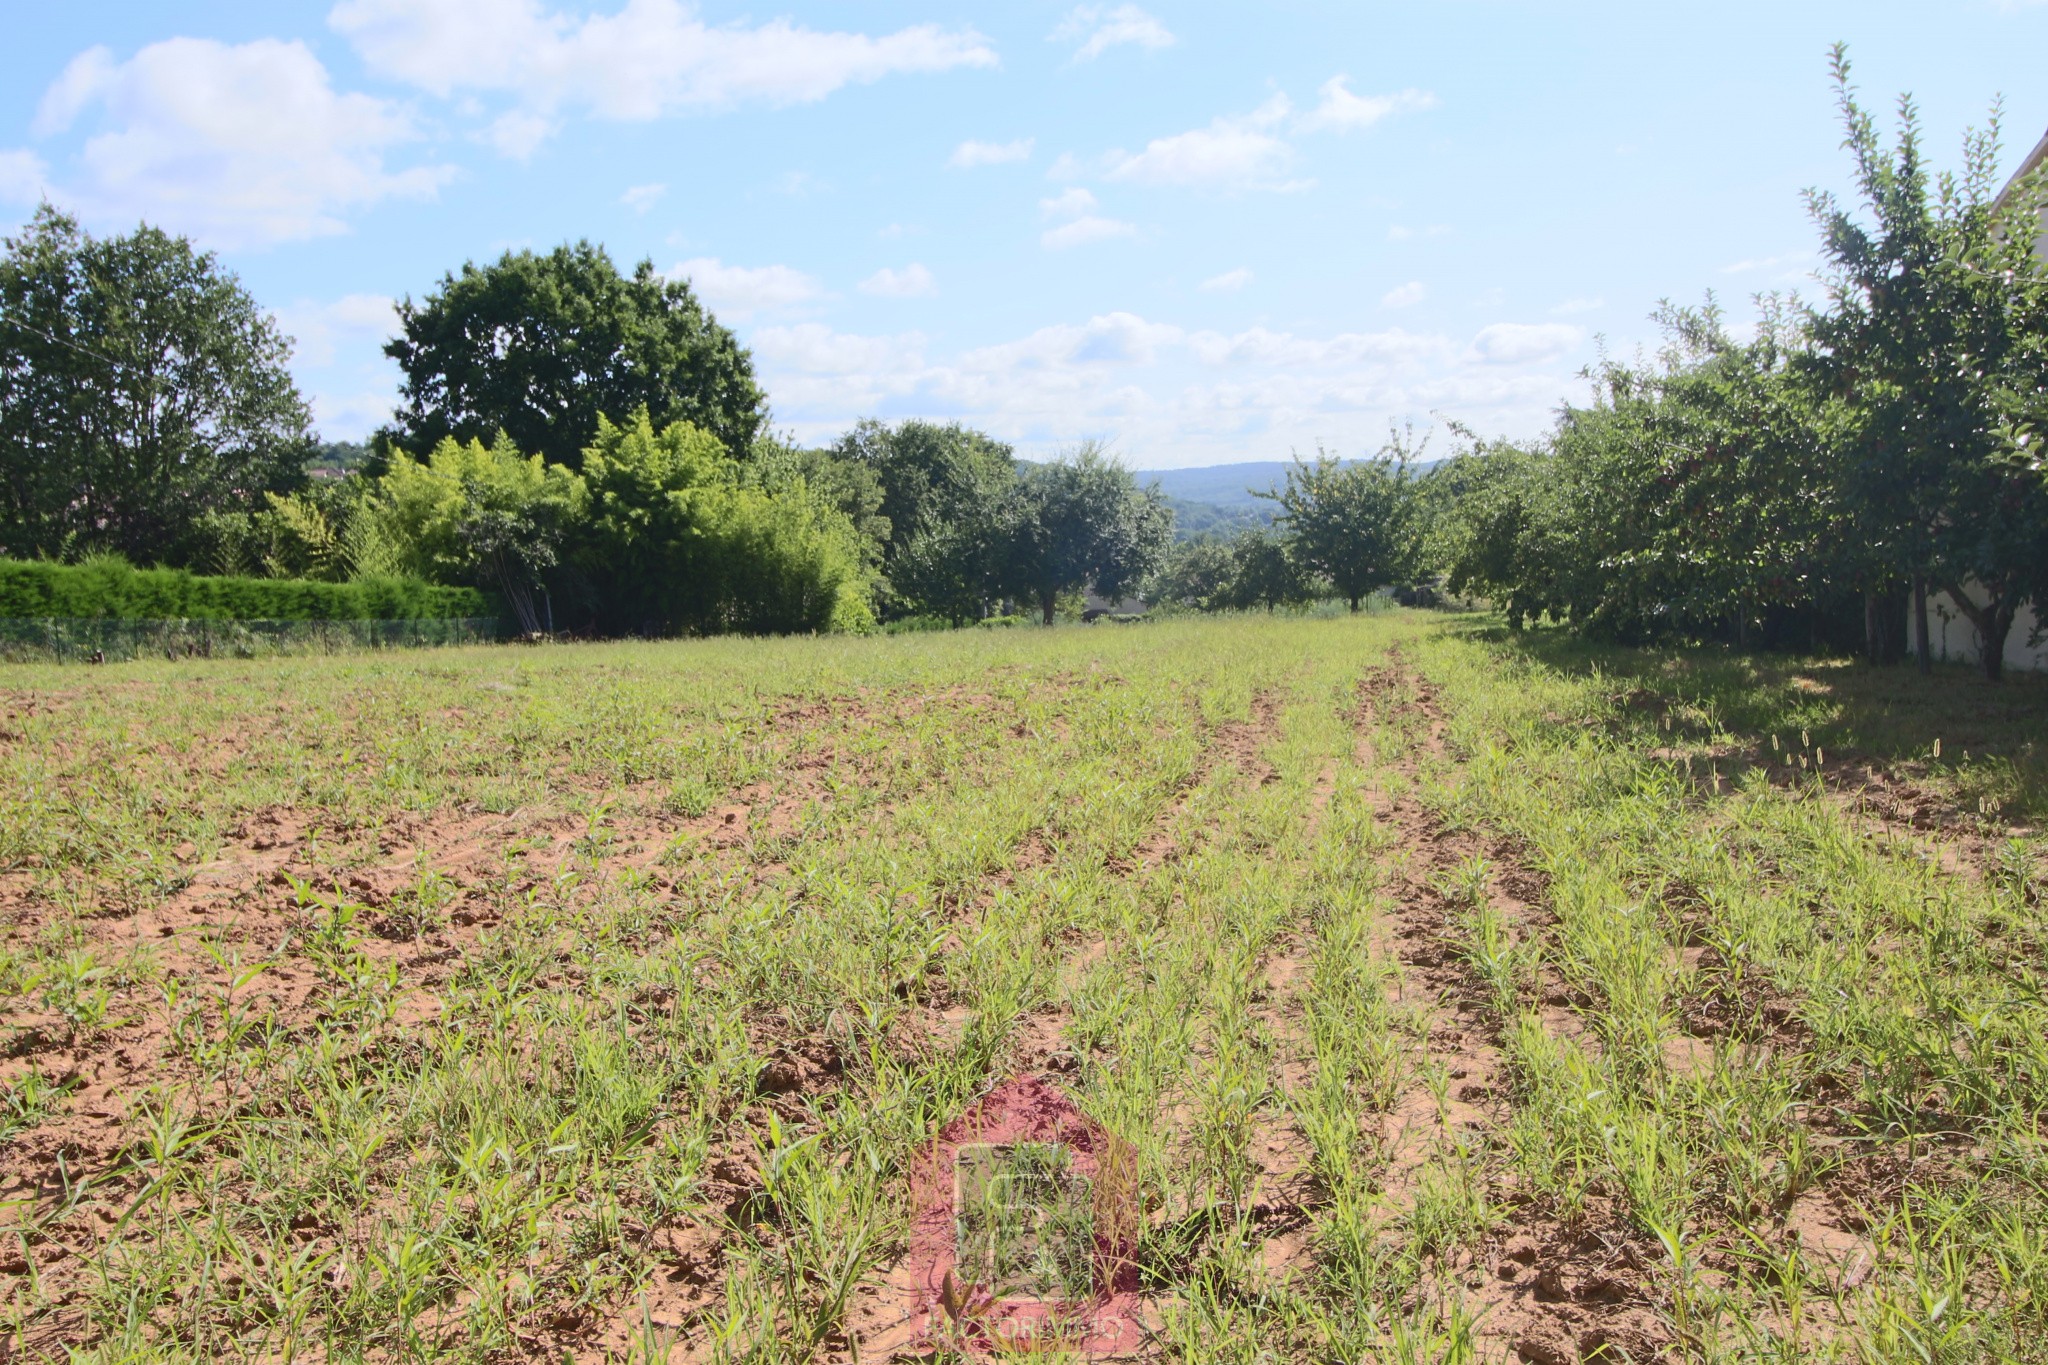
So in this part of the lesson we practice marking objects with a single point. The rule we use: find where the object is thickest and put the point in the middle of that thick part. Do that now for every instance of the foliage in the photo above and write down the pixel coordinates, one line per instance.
(945, 491)
(106, 586)
(676, 540)
(1937, 326)
(479, 514)
(1350, 522)
(1082, 521)
(1766, 488)
(141, 389)
(538, 347)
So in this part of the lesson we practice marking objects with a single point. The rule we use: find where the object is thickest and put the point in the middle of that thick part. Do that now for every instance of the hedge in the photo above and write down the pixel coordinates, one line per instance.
(111, 589)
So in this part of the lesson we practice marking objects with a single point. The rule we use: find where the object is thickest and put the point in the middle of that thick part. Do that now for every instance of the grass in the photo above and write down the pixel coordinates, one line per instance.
(1457, 996)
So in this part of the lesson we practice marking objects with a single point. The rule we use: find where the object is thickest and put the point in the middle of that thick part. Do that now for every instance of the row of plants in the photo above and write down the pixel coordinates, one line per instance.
(1809, 481)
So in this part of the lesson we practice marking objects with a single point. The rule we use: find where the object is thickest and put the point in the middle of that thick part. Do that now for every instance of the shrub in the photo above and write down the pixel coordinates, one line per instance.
(107, 587)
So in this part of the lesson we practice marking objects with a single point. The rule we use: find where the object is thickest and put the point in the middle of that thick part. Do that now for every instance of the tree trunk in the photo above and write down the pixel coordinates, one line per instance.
(1355, 597)
(1920, 648)
(1993, 622)
(1046, 600)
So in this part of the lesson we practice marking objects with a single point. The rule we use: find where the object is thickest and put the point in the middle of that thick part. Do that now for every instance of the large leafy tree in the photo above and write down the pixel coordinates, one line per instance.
(1936, 306)
(541, 346)
(1082, 522)
(141, 389)
(946, 489)
(1352, 523)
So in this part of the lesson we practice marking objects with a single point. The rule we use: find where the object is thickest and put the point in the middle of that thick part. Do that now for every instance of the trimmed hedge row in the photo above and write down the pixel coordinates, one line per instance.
(99, 589)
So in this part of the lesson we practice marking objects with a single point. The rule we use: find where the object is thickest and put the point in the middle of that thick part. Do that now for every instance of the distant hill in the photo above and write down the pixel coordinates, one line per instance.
(1220, 485)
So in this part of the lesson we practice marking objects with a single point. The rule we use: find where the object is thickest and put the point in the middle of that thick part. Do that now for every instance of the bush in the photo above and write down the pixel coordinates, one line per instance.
(110, 588)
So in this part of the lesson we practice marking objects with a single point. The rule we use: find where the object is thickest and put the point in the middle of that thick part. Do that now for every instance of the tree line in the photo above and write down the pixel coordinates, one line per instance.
(593, 446)
(1808, 485)
(590, 445)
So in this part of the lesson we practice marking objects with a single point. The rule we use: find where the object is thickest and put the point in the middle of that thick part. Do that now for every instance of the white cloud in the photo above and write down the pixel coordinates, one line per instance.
(1084, 230)
(911, 282)
(1405, 295)
(739, 291)
(1066, 166)
(1229, 281)
(237, 145)
(354, 322)
(518, 133)
(81, 82)
(1069, 203)
(970, 153)
(1099, 28)
(1578, 305)
(641, 198)
(814, 348)
(1522, 343)
(23, 177)
(1168, 395)
(1232, 152)
(646, 60)
(1340, 110)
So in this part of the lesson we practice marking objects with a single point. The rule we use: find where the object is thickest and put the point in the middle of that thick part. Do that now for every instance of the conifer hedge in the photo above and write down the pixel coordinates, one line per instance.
(32, 590)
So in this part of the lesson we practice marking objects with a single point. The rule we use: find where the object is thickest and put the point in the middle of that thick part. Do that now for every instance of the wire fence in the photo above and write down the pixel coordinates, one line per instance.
(110, 639)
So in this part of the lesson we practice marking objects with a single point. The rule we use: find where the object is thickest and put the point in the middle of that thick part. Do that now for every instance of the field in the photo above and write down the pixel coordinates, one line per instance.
(1447, 996)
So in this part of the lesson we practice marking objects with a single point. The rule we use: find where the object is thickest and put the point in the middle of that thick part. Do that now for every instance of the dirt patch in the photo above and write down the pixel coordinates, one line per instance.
(1551, 1291)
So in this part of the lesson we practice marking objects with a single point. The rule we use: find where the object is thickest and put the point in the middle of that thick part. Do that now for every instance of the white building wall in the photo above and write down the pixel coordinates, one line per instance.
(1951, 636)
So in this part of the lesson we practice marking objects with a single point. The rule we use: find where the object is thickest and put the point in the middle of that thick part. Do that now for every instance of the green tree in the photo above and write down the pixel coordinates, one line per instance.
(1351, 523)
(945, 491)
(1264, 572)
(539, 347)
(677, 540)
(141, 389)
(1195, 573)
(1082, 522)
(1936, 304)
(484, 515)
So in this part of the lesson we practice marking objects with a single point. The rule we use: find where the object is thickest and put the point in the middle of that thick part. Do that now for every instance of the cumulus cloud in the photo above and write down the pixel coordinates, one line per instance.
(1243, 151)
(1084, 225)
(1229, 281)
(239, 145)
(649, 59)
(1167, 393)
(1341, 111)
(1098, 28)
(1068, 203)
(1405, 295)
(641, 198)
(970, 153)
(320, 331)
(1090, 228)
(911, 282)
(23, 177)
(518, 133)
(813, 348)
(739, 292)
(1523, 343)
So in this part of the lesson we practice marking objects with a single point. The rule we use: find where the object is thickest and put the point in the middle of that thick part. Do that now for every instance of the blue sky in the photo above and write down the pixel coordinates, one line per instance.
(1202, 233)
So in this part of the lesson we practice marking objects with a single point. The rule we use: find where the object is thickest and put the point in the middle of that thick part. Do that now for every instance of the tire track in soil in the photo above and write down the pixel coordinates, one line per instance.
(1038, 1044)
(1544, 1292)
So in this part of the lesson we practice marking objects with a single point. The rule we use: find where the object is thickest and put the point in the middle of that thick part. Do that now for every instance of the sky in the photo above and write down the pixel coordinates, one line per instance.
(1199, 233)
